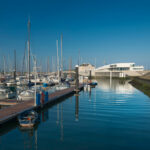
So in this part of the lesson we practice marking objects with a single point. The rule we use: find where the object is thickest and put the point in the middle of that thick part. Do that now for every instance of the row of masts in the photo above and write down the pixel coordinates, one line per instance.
(27, 59)
(21, 64)
(14, 71)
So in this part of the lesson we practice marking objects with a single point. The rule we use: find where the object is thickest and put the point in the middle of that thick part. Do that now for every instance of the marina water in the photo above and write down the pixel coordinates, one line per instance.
(114, 115)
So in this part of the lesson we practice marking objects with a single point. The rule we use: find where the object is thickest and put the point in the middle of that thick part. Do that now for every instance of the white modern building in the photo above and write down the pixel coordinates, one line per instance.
(121, 67)
(119, 70)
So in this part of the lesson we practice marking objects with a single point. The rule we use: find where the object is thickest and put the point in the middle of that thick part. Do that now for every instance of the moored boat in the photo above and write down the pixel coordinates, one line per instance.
(26, 95)
(28, 119)
(6, 93)
(61, 87)
(93, 83)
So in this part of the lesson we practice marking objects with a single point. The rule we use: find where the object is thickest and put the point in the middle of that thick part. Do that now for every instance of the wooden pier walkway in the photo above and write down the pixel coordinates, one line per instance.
(8, 102)
(13, 111)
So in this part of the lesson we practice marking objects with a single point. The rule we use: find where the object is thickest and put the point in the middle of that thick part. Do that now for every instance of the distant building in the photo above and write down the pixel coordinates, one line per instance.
(119, 70)
(121, 67)
(84, 69)
(115, 70)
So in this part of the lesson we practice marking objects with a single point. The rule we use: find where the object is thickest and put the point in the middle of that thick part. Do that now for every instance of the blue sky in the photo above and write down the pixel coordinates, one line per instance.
(106, 30)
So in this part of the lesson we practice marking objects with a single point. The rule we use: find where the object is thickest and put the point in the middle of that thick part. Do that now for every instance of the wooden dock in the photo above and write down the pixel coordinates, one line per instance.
(8, 102)
(13, 111)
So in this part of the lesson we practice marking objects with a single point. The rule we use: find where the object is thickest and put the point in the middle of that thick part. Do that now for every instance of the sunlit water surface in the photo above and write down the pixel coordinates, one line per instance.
(112, 116)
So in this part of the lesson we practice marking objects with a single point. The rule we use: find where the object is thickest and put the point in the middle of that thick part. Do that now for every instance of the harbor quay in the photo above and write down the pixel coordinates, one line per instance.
(9, 113)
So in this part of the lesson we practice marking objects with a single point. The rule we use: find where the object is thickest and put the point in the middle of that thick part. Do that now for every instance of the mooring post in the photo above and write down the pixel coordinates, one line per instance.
(77, 78)
(90, 77)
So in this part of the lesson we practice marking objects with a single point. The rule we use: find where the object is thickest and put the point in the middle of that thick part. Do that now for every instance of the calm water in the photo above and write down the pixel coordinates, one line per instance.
(115, 116)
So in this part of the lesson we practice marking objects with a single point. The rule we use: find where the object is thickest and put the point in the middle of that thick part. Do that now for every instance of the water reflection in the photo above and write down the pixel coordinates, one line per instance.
(117, 86)
(70, 123)
(89, 90)
(57, 122)
(94, 100)
(27, 138)
(36, 139)
(30, 138)
(77, 107)
(61, 124)
(45, 115)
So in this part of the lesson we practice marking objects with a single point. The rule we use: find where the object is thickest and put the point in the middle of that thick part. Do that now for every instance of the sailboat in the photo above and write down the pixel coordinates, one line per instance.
(29, 118)
(28, 94)
(29, 80)
(6, 93)
(60, 86)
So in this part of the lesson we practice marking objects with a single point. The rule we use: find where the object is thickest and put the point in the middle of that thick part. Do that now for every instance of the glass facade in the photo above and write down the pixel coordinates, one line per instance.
(119, 69)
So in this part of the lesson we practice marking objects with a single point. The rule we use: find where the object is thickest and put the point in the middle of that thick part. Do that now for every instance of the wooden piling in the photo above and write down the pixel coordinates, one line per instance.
(77, 79)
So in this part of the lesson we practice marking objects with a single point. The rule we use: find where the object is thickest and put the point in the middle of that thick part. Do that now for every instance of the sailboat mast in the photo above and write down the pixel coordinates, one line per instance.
(23, 63)
(70, 65)
(48, 65)
(4, 65)
(15, 65)
(9, 64)
(29, 50)
(61, 55)
(57, 58)
(79, 57)
(52, 65)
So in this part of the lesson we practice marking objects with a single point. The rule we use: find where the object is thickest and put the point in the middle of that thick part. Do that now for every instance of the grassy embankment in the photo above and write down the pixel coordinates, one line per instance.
(142, 84)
